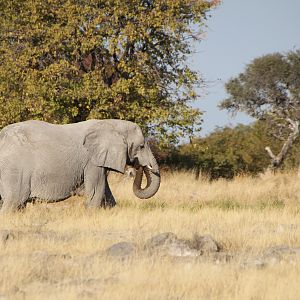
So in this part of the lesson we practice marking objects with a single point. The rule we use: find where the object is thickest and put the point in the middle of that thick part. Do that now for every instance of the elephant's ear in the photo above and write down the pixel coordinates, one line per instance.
(106, 147)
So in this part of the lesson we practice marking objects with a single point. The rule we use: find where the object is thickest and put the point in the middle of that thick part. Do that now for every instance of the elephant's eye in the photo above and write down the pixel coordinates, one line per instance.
(142, 146)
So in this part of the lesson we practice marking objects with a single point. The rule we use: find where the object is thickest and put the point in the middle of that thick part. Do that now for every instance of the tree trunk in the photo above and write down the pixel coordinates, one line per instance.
(197, 172)
(277, 160)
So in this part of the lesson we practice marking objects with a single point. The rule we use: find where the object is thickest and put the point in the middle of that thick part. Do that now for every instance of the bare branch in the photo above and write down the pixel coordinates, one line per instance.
(269, 151)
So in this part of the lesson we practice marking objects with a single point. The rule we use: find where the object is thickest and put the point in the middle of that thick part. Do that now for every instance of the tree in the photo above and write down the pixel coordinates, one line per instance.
(67, 61)
(269, 90)
(227, 152)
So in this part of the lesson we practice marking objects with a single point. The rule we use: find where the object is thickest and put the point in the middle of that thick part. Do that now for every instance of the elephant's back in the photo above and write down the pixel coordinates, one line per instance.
(33, 134)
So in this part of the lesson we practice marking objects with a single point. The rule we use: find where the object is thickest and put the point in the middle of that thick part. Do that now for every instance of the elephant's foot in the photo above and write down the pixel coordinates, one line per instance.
(108, 202)
(92, 204)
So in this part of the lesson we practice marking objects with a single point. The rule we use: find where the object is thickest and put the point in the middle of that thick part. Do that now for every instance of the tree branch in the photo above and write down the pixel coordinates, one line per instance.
(276, 160)
(269, 151)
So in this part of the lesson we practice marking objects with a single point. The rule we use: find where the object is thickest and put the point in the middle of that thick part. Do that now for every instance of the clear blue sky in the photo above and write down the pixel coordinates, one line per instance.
(238, 31)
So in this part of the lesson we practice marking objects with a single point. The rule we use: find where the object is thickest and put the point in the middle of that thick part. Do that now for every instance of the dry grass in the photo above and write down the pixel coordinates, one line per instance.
(57, 249)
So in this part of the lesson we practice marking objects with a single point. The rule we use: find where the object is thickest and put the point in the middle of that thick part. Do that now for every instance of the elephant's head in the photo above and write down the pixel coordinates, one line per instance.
(113, 143)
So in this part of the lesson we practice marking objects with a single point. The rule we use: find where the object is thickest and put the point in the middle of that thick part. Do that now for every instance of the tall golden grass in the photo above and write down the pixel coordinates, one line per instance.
(55, 250)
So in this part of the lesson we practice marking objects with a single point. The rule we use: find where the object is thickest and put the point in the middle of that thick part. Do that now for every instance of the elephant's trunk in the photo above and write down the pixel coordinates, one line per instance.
(153, 180)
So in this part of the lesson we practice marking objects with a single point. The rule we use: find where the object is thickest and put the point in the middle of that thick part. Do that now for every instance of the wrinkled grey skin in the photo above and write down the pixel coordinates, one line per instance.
(52, 162)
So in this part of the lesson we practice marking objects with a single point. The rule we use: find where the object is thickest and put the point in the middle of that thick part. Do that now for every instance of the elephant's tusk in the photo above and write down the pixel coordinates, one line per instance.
(149, 167)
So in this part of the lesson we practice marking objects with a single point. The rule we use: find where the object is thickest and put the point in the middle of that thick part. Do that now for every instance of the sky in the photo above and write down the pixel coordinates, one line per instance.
(238, 31)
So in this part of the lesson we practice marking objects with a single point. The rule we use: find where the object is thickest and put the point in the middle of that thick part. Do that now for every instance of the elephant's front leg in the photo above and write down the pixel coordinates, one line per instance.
(109, 200)
(95, 181)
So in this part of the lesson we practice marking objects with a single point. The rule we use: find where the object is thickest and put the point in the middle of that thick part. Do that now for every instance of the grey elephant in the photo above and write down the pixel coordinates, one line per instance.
(51, 162)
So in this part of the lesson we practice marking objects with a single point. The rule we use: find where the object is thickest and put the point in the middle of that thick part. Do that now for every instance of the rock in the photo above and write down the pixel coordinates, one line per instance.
(122, 249)
(179, 248)
(168, 244)
(278, 253)
(205, 244)
(161, 239)
(272, 256)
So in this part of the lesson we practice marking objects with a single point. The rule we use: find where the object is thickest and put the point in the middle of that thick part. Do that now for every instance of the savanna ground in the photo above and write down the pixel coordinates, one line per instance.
(57, 251)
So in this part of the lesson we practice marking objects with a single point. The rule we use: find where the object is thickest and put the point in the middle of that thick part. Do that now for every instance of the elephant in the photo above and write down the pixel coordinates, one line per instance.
(52, 162)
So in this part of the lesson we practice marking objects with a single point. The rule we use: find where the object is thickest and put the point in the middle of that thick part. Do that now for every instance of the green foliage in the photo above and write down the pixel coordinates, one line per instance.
(268, 89)
(67, 61)
(269, 84)
(227, 152)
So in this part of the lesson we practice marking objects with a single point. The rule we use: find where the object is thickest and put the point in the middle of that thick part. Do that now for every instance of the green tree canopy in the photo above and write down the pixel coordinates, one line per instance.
(68, 60)
(269, 90)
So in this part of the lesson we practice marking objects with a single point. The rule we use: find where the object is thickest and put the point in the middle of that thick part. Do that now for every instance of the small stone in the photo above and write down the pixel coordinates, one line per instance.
(122, 249)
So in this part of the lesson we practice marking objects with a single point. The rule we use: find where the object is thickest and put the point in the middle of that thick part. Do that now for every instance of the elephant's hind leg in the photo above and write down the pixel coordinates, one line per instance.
(15, 192)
